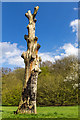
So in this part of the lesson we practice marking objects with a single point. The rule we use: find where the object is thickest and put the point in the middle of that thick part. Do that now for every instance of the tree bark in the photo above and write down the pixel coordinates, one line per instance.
(32, 61)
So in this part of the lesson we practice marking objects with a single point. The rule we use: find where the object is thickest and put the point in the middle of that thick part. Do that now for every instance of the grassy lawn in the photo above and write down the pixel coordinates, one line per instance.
(43, 112)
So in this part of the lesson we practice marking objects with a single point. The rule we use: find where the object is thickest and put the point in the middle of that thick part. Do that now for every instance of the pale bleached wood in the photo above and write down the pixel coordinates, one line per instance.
(32, 61)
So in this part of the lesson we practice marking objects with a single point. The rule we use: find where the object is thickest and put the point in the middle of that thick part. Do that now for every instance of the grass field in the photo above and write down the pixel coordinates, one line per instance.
(43, 112)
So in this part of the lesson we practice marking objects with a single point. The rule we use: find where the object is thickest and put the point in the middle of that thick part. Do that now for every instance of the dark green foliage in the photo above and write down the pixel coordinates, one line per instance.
(55, 85)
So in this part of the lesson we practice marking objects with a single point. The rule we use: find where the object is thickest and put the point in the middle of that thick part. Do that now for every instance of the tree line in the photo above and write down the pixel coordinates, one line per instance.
(57, 83)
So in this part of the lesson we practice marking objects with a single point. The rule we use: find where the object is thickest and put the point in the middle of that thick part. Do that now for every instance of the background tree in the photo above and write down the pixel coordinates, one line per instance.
(57, 84)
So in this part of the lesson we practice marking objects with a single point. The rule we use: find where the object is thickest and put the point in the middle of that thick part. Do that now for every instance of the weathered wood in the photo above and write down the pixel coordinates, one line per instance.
(32, 61)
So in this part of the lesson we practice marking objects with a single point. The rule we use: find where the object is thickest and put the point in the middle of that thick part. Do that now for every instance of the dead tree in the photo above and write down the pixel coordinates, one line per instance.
(32, 61)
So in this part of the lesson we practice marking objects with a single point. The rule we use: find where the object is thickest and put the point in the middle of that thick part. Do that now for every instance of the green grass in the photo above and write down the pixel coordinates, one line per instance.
(43, 112)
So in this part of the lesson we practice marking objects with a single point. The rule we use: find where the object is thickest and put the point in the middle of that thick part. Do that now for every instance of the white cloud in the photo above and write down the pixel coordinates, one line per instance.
(70, 49)
(75, 9)
(18, 61)
(11, 54)
(57, 57)
(76, 44)
(47, 56)
(75, 24)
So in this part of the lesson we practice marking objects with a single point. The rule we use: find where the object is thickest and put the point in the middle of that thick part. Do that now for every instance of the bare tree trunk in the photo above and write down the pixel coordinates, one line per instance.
(31, 60)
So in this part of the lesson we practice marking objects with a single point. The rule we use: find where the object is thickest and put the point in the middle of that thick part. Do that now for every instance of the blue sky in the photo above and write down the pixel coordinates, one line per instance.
(56, 29)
